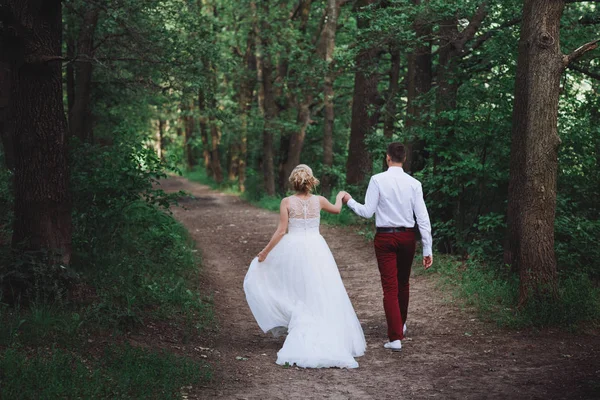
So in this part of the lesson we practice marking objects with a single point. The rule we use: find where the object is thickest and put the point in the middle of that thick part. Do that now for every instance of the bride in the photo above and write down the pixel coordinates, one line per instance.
(294, 285)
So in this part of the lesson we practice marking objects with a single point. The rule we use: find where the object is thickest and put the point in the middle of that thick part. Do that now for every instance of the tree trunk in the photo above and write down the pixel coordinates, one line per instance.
(70, 74)
(42, 219)
(296, 142)
(325, 49)
(419, 78)
(390, 106)
(202, 121)
(188, 121)
(446, 101)
(534, 150)
(364, 118)
(161, 139)
(233, 161)
(246, 91)
(6, 122)
(80, 115)
(268, 108)
(215, 136)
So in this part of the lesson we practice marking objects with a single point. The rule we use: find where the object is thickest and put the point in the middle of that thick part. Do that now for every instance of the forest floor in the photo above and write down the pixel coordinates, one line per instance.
(449, 353)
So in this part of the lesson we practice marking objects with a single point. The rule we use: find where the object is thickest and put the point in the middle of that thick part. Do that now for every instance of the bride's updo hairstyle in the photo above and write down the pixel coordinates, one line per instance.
(302, 179)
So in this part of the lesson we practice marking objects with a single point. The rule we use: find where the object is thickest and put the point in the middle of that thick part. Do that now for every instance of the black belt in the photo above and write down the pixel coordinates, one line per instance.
(393, 230)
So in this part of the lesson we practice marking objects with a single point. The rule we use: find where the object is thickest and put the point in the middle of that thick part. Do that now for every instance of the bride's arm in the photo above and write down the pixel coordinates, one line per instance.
(332, 208)
(279, 233)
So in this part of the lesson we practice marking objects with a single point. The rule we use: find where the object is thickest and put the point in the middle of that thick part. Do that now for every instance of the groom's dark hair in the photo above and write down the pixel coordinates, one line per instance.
(397, 152)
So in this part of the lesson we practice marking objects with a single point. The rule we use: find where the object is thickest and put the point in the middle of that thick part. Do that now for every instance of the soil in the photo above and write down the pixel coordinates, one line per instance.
(449, 353)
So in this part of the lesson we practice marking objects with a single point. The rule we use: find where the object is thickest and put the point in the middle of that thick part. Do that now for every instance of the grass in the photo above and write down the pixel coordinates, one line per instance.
(141, 267)
(121, 372)
(494, 295)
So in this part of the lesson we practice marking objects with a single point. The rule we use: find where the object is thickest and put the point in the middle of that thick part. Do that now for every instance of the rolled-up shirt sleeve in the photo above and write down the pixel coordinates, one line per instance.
(371, 200)
(422, 217)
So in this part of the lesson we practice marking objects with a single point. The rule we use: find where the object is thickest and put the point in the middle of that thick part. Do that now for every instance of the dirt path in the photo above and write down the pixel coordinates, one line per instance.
(449, 353)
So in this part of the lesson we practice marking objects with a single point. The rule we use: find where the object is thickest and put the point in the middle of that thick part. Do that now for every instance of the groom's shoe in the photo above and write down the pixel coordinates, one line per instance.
(396, 345)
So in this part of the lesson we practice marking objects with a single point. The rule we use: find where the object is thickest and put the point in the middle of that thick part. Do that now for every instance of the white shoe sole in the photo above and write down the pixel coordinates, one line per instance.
(392, 348)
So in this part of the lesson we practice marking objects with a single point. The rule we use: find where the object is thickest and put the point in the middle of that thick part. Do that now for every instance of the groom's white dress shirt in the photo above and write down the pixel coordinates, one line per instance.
(396, 199)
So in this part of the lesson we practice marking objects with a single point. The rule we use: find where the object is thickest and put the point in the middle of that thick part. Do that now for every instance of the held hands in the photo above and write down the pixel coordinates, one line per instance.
(345, 196)
(427, 262)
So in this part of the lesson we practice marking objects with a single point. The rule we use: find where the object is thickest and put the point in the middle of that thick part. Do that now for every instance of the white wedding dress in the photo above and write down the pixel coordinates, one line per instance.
(298, 289)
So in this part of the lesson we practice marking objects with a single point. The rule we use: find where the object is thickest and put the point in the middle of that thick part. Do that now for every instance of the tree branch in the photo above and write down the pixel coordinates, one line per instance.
(568, 59)
(491, 33)
(589, 20)
(585, 71)
(473, 27)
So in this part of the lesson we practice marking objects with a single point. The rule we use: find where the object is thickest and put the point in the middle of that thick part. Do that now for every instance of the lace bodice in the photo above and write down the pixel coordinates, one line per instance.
(304, 214)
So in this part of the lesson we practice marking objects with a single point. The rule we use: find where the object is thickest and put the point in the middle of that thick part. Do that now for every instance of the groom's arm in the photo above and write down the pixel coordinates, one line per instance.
(371, 199)
(423, 222)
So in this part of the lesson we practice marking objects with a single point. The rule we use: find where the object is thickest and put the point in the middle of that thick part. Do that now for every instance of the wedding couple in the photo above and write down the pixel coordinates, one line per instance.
(294, 285)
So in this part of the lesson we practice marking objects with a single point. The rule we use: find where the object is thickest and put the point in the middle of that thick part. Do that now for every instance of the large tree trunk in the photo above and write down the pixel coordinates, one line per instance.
(364, 118)
(70, 78)
(534, 150)
(325, 49)
(419, 78)
(6, 122)
(42, 196)
(80, 115)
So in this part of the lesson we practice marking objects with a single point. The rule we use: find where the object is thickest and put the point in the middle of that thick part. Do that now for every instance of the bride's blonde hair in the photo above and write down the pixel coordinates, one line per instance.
(302, 179)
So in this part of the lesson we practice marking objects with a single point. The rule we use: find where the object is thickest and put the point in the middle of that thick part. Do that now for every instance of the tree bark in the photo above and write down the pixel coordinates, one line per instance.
(419, 79)
(390, 106)
(325, 49)
(80, 115)
(70, 79)
(246, 93)
(534, 150)
(42, 218)
(296, 142)
(188, 122)
(267, 106)
(365, 114)
(6, 122)
(161, 139)
(215, 137)
(203, 124)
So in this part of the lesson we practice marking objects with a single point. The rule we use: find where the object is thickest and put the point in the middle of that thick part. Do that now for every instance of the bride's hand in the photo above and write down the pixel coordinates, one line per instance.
(262, 256)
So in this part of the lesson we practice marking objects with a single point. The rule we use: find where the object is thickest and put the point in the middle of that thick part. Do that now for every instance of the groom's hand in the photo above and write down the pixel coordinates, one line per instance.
(427, 261)
(346, 198)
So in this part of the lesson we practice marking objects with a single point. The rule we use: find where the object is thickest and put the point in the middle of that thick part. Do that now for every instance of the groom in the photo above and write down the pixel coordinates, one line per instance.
(396, 199)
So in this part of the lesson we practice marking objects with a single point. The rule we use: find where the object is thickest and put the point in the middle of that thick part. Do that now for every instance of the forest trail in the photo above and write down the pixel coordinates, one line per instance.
(449, 353)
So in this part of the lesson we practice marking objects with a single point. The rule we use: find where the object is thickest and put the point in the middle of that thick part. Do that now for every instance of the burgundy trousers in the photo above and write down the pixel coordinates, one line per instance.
(395, 253)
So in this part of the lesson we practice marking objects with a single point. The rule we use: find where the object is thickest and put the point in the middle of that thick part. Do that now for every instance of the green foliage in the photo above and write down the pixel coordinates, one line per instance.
(121, 372)
(124, 236)
(494, 294)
